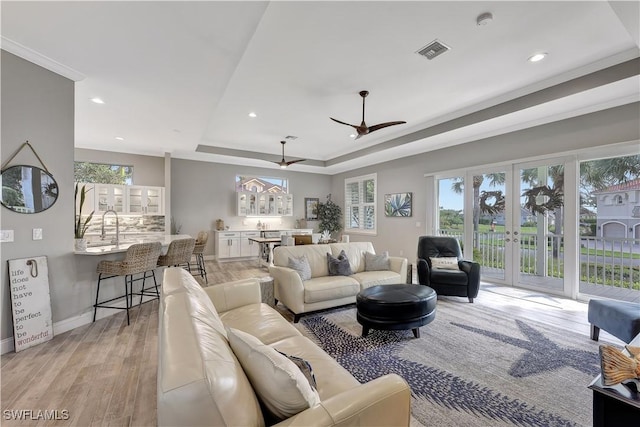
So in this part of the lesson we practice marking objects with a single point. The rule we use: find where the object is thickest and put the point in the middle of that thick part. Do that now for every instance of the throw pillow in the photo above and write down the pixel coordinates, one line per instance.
(339, 266)
(373, 262)
(278, 382)
(305, 368)
(445, 263)
(301, 266)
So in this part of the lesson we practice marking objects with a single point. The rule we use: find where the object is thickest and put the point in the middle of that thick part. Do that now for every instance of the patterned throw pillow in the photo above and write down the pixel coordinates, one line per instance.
(445, 263)
(304, 366)
(373, 262)
(301, 266)
(339, 266)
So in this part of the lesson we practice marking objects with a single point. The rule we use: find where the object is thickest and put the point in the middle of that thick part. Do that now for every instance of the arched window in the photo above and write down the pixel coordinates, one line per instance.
(617, 200)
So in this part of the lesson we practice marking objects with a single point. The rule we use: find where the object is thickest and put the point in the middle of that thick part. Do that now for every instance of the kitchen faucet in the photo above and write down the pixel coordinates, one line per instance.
(103, 234)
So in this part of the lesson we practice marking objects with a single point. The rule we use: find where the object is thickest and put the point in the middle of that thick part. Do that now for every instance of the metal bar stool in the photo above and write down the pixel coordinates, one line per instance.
(198, 253)
(140, 258)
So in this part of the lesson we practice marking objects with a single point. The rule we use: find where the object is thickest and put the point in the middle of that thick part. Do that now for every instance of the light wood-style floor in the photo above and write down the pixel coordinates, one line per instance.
(104, 373)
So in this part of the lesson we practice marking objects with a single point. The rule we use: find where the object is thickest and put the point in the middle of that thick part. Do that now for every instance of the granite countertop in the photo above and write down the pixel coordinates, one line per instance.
(124, 244)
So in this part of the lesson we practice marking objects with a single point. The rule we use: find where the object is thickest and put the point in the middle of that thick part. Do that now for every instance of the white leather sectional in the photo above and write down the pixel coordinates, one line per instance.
(202, 383)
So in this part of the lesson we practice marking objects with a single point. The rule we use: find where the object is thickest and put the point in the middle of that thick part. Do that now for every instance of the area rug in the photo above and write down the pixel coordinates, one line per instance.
(472, 366)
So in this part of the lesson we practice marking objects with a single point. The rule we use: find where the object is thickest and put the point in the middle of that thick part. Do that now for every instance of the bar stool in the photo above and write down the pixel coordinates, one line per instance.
(198, 253)
(179, 253)
(140, 258)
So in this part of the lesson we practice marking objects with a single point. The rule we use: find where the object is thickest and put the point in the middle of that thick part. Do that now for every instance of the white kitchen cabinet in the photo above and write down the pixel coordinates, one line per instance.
(145, 200)
(110, 197)
(249, 248)
(264, 204)
(227, 244)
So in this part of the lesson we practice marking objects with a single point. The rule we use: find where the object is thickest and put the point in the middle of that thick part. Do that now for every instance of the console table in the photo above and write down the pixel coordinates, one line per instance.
(615, 406)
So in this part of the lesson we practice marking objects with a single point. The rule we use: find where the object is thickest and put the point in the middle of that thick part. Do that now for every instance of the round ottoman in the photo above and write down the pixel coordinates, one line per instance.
(396, 307)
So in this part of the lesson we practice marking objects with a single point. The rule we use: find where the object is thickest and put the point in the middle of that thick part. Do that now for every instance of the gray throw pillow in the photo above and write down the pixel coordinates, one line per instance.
(373, 262)
(301, 266)
(339, 266)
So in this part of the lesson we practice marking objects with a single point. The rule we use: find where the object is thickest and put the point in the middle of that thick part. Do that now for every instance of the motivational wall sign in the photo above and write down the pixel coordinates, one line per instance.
(30, 301)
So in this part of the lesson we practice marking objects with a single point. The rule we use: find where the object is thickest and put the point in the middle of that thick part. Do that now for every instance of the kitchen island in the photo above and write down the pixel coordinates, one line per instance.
(98, 248)
(86, 263)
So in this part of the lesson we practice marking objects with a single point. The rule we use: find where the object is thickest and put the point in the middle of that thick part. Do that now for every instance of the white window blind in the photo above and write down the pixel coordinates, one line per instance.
(360, 203)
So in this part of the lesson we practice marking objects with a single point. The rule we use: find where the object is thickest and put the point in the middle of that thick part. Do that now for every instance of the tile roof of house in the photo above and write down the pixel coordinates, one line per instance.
(629, 185)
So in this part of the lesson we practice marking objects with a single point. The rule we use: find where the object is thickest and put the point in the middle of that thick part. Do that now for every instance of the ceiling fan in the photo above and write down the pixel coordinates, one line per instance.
(363, 129)
(283, 163)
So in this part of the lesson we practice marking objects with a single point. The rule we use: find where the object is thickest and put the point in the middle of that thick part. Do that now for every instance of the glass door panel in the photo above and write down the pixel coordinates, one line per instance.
(610, 228)
(491, 225)
(538, 227)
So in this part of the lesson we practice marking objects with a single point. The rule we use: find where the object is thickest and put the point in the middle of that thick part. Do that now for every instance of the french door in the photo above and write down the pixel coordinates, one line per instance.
(513, 220)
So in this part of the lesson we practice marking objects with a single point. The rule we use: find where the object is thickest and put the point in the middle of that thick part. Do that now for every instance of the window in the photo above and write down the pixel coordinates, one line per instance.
(360, 204)
(100, 173)
(261, 184)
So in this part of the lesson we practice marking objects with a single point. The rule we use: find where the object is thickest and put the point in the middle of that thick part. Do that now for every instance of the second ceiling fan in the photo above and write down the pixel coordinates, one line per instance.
(283, 163)
(363, 129)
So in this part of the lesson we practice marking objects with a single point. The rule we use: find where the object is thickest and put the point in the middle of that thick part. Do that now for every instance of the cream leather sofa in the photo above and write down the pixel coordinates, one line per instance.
(201, 382)
(324, 291)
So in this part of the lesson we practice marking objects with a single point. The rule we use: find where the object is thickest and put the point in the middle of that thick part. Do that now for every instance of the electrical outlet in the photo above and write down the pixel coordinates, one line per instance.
(37, 234)
(6, 235)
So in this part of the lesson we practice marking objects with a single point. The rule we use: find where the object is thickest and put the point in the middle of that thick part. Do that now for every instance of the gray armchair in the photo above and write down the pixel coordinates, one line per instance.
(461, 282)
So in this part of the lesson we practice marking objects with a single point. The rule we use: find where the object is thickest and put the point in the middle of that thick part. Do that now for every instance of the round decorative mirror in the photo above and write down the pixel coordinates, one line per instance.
(28, 189)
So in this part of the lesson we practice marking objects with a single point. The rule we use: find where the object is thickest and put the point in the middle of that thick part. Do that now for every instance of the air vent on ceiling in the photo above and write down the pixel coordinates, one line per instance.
(290, 137)
(433, 49)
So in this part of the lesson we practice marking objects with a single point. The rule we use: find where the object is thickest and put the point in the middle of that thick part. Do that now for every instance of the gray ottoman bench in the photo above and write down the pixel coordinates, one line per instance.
(619, 318)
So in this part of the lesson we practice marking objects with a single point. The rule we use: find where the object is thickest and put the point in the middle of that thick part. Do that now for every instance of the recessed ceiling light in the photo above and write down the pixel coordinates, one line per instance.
(97, 100)
(253, 115)
(537, 57)
(119, 138)
(353, 135)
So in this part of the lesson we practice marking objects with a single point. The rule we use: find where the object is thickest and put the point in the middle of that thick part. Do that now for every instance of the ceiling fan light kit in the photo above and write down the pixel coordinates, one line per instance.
(363, 129)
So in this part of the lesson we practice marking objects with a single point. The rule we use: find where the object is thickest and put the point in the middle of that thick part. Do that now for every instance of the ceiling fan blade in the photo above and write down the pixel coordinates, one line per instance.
(384, 125)
(343, 123)
(294, 161)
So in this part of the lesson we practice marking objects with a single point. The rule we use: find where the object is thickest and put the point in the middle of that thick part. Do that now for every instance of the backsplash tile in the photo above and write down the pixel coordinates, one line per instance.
(128, 224)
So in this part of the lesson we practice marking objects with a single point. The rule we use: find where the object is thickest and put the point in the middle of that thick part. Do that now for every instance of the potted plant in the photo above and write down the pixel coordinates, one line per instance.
(80, 225)
(330, 216)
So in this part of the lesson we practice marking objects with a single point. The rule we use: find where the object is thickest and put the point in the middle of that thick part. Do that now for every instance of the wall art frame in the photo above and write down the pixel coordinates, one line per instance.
(311, 208)
(398, 205)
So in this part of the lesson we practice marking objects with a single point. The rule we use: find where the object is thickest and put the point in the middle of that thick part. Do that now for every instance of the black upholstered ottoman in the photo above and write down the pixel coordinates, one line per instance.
(393, 307)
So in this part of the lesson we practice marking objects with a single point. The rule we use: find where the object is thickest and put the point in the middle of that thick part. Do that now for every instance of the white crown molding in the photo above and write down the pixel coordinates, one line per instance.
(41, 60)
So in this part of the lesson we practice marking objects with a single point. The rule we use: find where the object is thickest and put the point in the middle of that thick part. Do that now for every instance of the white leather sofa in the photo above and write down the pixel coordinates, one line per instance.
(201, 382)
(322, 290)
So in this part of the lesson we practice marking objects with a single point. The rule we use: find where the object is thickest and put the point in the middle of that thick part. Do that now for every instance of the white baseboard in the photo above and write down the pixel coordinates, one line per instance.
(7, 344)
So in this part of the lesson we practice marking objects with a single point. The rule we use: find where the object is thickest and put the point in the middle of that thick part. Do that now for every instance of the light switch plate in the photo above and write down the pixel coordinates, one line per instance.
(6, 235)
(37, 234)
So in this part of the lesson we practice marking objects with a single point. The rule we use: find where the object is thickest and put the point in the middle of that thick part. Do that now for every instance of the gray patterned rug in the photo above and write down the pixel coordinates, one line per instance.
(472, 366)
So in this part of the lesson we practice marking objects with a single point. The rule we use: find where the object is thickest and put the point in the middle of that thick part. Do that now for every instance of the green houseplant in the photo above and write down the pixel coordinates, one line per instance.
(330, 216)
(80, 226)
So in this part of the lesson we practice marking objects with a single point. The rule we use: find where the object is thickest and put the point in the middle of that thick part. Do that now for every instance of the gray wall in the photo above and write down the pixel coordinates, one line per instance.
(202, 192)
(38, 105)
(147, 170)
(400, 235)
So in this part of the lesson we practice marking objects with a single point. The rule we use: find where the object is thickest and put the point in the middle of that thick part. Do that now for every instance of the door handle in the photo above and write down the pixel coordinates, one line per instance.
(515, 233)
(507, 232)
(507, 240)
(515, 240)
